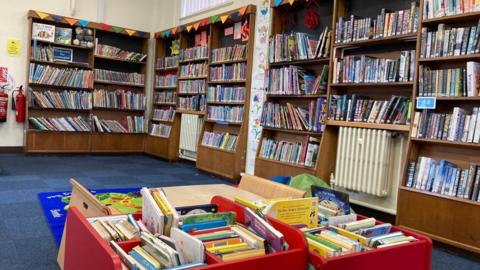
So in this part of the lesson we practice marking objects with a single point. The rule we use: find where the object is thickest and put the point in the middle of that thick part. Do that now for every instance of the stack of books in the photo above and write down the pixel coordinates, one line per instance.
(160, 130)
(440, 8)
(114, 52)
(458, 126)
(119, 99)
(193, 53)
(366, 69)
(386, 24)
(129, 124)
(75, 100)
(192, 87)
(194, 103)
(234, 72)
(353, 108)
(444, 177)
(305, 153)
(222, 93)
(451, 82)
(293, 80)
(43, 53)
(222, 140)
(169, 97)
(194, 70)
(299, 46)
(167, 62)
(169, 80)
(237, 52)
(117, 228)
(230, 114)
(72, 124)
(119, 77)
(68, 77)
(164, 115)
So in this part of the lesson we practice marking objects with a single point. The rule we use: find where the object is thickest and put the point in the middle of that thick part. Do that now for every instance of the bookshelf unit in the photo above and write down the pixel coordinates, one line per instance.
(84, 58)
(228, 162)
(156, 145)
(281, 14)
(453, 217)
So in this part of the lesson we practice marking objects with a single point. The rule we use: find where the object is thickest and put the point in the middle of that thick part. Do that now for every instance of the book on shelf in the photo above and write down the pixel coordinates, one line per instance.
(458, 126)
(75, 100)
(118, 99)
(231, 114)
(198, 52)
(192, 86)
(367, 69)
(450, 41)
(302, 153)
(194, 70)
(160, 130)
(440, 8)
(168, 80)
(68, 77)
(43, 32)
(167, 62)
(450, 82)
(222, 140)
(72, 124)
(128, 124)
(165, 97)
(63, 35)
(236, 52)
(119, 77)
(164, 114)
(299, 46)
(227, 94)
(293, 80)
(289, 116)
(445, 178)
(116, 228)
(232, 72)
(117, 53)
(193, 103)
(386, 24)
(353, 108)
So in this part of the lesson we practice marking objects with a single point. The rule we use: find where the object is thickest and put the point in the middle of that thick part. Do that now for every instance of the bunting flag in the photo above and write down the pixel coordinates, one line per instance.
(189, 27)
(117, 29)
(204, 22)
(291, 2)
(142, 34)
(130, 32)
(157, 35)
(224, 18)
(42, 15)
(83, 23)
(181, 28)
(105, 26)
(57, 18)
(213, 19)
(162, 34)
(174, 30)
(71, 21)
(196, 25)
(278, 2)
(235, 16)
(167, 33)
(242, 10)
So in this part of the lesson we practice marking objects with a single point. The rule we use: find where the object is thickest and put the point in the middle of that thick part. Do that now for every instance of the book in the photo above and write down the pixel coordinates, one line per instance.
(119, 99)
(197, 209)
(274, 238)
(226, 94)
(74, 100)
(190, 249)
(231, 72)
(117, 53)
(103, 75)
(225, 141)
(43, 32)
(236, 52)
(230, 114)
(63, 35)
(160, 130)
(332, 199)
(70, 124)
(297, 212)
(291, 152)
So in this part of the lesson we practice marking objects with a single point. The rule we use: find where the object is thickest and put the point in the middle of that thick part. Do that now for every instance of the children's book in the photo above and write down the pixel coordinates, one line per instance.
(63, 35)
(44, 32)
(265, 230)
(297, 212)
(335, 200)
(229, 217)
(189, 248)
(197, 209)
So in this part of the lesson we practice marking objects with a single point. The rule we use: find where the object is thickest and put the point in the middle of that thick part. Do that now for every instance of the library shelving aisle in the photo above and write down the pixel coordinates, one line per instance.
(163, 138)
(222, 144)
(438, 195)
(294, 111)
(84, 77)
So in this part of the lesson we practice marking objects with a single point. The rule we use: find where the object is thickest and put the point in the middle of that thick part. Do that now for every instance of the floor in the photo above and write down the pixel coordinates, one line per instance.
(26, 238)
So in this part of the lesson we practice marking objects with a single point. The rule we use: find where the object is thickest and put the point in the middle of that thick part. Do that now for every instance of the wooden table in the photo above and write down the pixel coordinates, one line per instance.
(180, 196)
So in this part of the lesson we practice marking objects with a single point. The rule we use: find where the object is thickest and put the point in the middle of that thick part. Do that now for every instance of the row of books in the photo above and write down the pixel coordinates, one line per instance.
(385, 24)
(114, 52)
(236, 52)
(116, 229)
(43, 53)
(450, 82)
(193, 103)
(75, 100)
(444, 177)
(165, 97)
(447, 41)
(119, 99)
(305, 153)
(120, 77)
(221, 140)
(169, 80)
(289, 116)
(222, 93)
(194, 70)
(68, 77)
(167, 62)
(293, 80)
(458, 126)
(160, 130)
(128, 124)
(164, 114)
(439, 8)
(192, 87)
(72, 124)
(194, 53)
(232, 72)
(231, 114)
(353, 108)
(366, 69)
(299, 46)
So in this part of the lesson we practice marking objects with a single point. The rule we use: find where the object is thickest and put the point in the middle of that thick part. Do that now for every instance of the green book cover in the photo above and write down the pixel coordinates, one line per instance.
(229, 217)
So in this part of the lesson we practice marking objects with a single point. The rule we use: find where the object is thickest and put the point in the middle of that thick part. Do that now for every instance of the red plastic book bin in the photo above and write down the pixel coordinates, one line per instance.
(412, 256)
(85, 249)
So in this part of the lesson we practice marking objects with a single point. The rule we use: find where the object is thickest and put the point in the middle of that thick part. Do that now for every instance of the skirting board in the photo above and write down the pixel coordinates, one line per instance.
(11, 149)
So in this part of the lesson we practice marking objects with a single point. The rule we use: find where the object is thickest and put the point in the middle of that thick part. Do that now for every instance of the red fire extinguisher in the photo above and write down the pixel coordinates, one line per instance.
(18, 104)
(3, 106)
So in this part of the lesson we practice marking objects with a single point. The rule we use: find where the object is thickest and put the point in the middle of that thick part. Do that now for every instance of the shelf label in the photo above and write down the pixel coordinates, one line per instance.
(426, 102)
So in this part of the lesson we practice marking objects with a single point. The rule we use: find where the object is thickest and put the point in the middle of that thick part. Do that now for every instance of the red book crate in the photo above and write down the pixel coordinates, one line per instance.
(412, 256)
(85, 249)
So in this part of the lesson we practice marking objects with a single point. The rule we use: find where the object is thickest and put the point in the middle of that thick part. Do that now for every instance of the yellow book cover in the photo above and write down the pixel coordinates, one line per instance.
(224, 141)
(228, 248)
(351, 235)
(297, 212)
(242, 254)
(319, 248)
(166, 211)
(246, 203)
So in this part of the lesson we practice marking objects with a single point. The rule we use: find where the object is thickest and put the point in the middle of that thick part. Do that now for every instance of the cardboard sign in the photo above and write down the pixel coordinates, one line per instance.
(426, 102)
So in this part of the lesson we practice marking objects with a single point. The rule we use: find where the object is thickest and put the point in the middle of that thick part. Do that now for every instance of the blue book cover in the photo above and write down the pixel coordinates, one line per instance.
(141, 260)
(187, 266)
(204, 225)
(332, 199)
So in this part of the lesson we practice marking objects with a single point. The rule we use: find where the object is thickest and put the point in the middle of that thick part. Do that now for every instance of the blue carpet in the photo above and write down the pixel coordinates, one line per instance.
(26, 238)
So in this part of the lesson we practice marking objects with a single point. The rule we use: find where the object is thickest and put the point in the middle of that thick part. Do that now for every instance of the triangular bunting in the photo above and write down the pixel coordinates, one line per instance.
(117, 29)
(204, 22)
(71, 21)
(278, 2)
(157, 35)
(162, 34)
(196, 25)
(224, 18)
(83, 22)
(174, 30)
(130, 32)
(57, 18)
(105, 26)
(189, 27)
(167, 33)
(291, 2)
(213, 19)
(42, 15)
(242, 10)
(235, 16)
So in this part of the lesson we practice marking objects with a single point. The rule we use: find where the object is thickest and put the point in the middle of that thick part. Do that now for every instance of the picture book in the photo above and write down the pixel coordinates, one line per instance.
(197, 209)
(203, 225)
(152, 216)
(332, 199)
(44, 32)
(229, 217)
(297, 212)
(274, 238)
(189, 248)
(63, 35)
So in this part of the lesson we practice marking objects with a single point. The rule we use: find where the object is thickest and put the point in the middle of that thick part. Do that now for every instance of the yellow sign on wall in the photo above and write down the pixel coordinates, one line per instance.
(13, 47)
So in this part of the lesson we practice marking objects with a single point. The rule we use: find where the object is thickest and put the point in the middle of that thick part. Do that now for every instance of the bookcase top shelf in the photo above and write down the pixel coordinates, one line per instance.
(119, 60)
(475, 203)
(455, 58)
(471, 16)
(301, 62)
(364, 85)
(369, 125)
(119, 83)
(63, 45)
(63, 64)
(447, 143)
(58, 86)
(411, 37)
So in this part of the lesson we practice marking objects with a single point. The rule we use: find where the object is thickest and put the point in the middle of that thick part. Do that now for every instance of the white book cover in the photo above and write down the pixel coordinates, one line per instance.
(189, 248)
(152, 217)
(472, 126)
(44, 32)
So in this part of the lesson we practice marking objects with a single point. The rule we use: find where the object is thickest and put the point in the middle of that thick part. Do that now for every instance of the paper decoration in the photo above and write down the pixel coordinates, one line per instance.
(42, 15)
(224, 18)
(71, 21)
(228, 31)
(242, 10)
(213, 19)
(310, 19)
(181, 28)
(237, 30)
(57, 18)
(189, 27)
(105, 26)
(13, 47)
(235, 16)
(196, 25)
(245, 31)
(204, 22)
(83, 23)
(291, 2)
(174, 30)
(278, 2)
(162, 34)
(117, 29)
(167, 33)
(130, 32)
(175, 48)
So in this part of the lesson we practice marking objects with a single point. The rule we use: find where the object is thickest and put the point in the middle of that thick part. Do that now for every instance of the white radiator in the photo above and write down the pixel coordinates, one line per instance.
(368, 166)
(189, 132)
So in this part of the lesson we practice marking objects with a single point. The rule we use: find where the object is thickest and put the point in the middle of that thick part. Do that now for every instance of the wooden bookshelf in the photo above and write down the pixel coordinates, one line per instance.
(84, 58)
(446, 219)
(368, 125)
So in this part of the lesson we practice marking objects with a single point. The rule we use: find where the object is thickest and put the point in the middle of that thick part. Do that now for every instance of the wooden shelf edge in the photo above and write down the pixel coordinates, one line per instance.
(286, 163)
(228, 62)
(467, 57)
(380, 84)
(293, 131)
(440, 196)
(218, 149)
(190, 112)
(453, 18)
(444, 142)
(118, 83)
(300, 62)
(410, 37)
(405, 128)
(118, 59)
